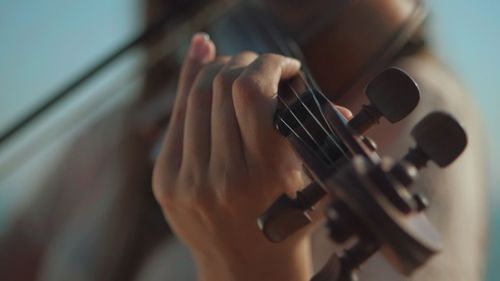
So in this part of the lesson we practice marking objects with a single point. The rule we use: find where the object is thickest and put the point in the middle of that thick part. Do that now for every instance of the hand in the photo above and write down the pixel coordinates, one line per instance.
(223, 163)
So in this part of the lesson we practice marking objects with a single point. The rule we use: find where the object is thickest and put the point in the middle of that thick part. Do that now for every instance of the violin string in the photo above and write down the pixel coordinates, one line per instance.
(330, 135)
(306, 145)
(291, 49)
(313, 94)
(323, 152)
(286, 48)
(308, 81)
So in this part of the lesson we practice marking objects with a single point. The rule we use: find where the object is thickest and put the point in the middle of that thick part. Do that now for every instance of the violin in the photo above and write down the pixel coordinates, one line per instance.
(343, 46)
(371, 198)
(372, 207)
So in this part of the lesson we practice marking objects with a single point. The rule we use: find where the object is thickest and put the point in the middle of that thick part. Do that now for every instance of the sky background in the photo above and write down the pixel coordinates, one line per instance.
(467, 35)
(41, 37)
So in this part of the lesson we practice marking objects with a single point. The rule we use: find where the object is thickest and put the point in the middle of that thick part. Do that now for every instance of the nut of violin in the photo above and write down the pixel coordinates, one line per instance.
(440, 137)
(394, 94)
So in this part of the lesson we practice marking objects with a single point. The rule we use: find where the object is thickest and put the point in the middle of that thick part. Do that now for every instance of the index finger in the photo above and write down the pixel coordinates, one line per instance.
(254, 102)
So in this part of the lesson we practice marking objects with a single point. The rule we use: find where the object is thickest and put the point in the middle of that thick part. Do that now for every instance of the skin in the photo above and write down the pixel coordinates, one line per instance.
(223, 163)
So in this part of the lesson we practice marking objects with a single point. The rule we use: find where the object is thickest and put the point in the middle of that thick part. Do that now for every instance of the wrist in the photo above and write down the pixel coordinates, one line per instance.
(290, 260)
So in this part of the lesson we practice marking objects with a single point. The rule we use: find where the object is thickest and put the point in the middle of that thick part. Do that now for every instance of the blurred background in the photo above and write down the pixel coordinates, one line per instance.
(466, 35)
(45, 47)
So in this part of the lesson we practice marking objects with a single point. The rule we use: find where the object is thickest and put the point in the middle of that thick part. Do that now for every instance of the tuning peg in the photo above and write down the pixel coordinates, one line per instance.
(283, 218)
(439, 138)
(288, 215)
(393, 94)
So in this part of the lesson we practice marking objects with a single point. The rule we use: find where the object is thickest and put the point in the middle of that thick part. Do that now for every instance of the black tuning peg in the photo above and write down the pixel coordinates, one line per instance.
(393, 94)
(439, 138)
(287, 215)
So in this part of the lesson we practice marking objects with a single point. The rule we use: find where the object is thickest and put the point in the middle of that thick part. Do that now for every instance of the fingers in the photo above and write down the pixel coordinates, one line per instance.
(225, 108)
(197, 128)
(226, 138)
(344, 111)
(254, 104)
(202, 51)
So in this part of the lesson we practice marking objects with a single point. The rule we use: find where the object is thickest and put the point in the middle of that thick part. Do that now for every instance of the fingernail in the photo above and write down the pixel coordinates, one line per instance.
(345, 111)
(199, 46)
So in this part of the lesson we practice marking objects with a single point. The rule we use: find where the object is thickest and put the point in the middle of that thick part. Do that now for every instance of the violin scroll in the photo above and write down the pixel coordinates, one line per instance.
(393, 94)
(371, 204)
